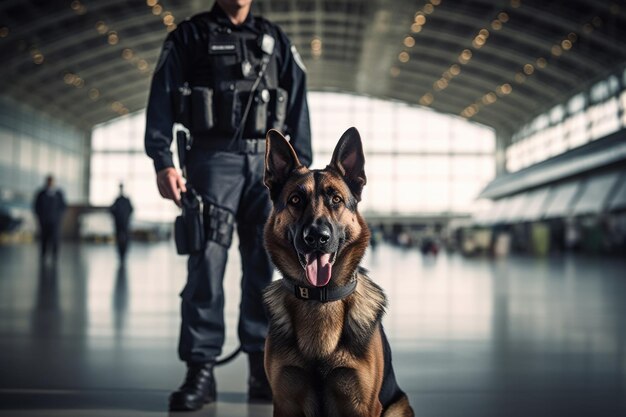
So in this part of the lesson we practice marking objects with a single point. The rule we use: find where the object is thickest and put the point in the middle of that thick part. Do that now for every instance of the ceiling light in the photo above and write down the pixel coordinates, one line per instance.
(38, 58)
(496, 25)
(455, 69)
(440, 84)
(78, 7)
(427, 99)
(478, 41)
(465, 56)
(529, 69)
(113, 39)
(520, 78)
(152, 3)
(316, 44)
(409, 42)
(157, 9)
(94, 94)
(505, 89)
(415, 28)
(489, 98)
(556, 50)
(68, 78)
(566, 45)
(101, 27)
(404, 57)
(127, 54)
(316, 47)
(541, 62)
(428, 8)
(394, 71)
(420, 19)
(168, 19)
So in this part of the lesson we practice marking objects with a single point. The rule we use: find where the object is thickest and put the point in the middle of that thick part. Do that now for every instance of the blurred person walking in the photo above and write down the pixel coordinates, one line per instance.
(121, 211)
(49, 206)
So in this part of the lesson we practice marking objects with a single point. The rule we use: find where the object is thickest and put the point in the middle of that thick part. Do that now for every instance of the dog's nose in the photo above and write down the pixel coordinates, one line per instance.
(316, 236)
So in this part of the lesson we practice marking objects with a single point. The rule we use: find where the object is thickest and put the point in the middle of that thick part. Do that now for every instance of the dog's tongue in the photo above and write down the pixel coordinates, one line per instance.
(318, 268)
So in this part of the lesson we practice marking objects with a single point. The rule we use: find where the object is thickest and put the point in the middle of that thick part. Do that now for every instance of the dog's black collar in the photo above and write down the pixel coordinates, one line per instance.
(323, 294)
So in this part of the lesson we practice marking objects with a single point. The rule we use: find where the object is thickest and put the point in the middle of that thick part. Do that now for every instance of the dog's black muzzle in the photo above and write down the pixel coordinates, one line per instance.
(317, 237)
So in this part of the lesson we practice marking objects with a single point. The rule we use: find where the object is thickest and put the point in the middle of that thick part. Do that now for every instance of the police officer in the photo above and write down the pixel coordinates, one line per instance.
(121, 210)
(49, 206)
(228, 77)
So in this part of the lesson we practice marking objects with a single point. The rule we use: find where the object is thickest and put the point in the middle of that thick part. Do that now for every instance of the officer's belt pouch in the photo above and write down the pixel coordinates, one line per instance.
(219, 224)
(278, 109)
(189, 228)
(202, 114)
(180, 236)
(256, 125)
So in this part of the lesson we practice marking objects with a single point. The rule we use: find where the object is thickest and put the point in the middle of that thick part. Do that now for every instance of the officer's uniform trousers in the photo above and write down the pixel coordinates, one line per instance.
(233, 181)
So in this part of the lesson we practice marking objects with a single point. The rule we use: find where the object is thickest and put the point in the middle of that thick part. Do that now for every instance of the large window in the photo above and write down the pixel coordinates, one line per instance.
(118, 156)
(417, 161)
(587, 116)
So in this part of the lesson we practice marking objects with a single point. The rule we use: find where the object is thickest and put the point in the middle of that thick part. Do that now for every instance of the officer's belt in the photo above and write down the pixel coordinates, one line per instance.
(251, 146)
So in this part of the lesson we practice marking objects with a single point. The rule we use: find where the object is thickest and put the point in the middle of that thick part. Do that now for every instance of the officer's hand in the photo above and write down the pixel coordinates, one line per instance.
(170, 184)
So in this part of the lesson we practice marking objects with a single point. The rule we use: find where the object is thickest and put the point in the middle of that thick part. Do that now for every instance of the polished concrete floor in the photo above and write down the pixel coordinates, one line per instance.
(471, 337)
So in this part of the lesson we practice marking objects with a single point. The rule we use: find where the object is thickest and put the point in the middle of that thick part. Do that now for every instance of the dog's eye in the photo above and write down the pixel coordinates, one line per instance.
(336, 199)
(294, 200)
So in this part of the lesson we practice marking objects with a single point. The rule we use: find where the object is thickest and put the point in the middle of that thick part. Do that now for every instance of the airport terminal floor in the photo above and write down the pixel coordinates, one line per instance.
(508, 337)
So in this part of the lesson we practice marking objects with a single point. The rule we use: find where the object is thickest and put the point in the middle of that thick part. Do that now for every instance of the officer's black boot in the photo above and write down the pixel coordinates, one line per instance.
(197, 390)
(258, 385)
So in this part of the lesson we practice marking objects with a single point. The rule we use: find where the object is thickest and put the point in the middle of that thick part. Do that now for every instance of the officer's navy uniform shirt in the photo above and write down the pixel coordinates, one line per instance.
(185, 47)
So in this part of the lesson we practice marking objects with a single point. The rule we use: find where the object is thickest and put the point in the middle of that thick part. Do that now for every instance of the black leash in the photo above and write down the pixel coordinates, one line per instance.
(228, 358)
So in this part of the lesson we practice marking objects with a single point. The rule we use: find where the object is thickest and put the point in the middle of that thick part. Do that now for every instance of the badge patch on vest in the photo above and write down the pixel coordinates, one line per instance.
(221, 48)
(297, 58)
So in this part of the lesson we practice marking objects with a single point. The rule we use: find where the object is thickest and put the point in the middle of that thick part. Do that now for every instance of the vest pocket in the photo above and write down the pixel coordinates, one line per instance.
(202, 114)
(278, 109)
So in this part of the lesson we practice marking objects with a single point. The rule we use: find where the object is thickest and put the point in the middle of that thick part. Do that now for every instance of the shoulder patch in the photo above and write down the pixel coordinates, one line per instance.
(297, 58)
(167, 47)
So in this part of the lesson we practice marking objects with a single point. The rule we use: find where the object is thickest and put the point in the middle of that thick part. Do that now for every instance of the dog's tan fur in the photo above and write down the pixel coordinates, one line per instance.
(323, 359)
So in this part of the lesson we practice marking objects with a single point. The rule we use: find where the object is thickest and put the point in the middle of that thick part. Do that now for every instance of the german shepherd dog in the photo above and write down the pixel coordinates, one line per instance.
(326, 353)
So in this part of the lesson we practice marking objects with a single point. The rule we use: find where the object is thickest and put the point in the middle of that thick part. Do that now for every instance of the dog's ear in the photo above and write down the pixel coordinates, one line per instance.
(349, 160)
(280, 161)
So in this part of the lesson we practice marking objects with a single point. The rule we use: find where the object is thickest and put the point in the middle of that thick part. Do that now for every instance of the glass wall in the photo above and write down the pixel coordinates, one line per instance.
(417, 161)
(585, 117)
(32, 146)
(118, 156)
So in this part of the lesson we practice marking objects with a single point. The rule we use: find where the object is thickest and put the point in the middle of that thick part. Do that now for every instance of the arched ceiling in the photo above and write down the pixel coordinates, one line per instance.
(499, 63)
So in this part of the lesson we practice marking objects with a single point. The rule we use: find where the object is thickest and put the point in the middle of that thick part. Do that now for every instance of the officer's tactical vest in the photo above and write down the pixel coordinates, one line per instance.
(213, 101)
